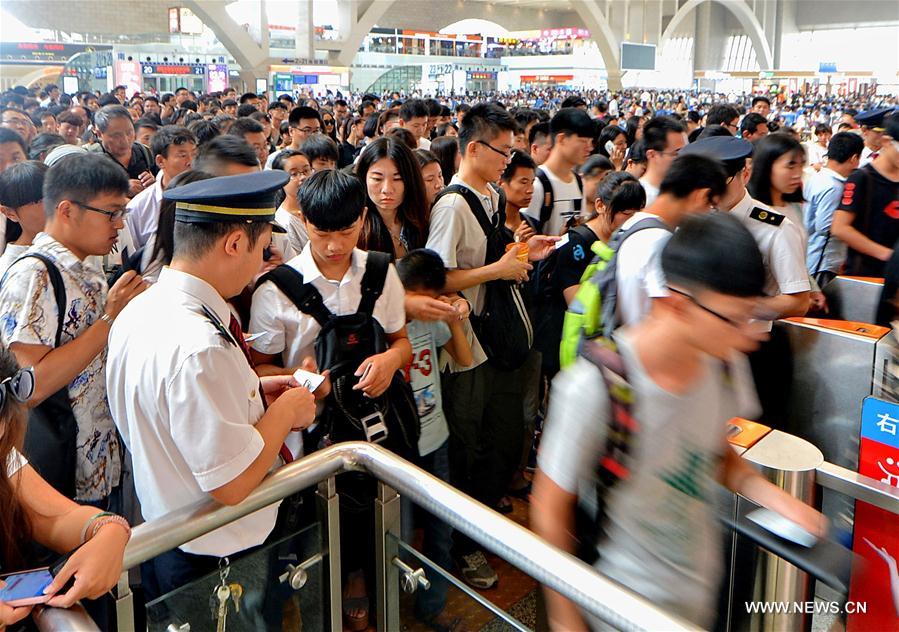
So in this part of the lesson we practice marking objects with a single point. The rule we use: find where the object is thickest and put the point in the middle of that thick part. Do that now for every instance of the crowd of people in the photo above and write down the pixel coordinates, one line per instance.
(170, 261)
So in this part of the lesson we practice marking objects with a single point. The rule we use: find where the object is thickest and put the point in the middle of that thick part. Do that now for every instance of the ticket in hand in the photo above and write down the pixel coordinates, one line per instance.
(308, 379)
(562, 241)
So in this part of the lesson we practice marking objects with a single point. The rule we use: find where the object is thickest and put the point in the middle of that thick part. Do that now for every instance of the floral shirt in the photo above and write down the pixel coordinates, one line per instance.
(28, 315)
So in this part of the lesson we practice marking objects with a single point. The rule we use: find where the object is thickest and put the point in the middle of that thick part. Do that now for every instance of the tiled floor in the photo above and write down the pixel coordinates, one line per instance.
(515, 593)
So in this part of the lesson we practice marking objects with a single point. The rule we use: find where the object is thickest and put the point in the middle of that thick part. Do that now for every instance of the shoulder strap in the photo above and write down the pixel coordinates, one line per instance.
(376, 266)
(546, 208)
(584, 232)
(621, 236)
(304, 295)
(474, 203)
(580, 182)
(59, 290)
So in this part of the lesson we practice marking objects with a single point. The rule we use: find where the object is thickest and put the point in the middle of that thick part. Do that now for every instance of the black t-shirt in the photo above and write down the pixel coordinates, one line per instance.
(141, 160)
(574, 257)
(874, 200)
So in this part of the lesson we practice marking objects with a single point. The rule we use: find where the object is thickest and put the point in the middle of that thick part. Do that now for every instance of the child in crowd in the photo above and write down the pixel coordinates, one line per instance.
(22, 202)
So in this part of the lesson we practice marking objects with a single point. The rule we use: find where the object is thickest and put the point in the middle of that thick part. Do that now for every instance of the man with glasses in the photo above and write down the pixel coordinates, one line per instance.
(303, 122)
(84, 197)
(115, 132)
(19, 122)
(663, 137)
(787, 290)
(483, 403)
(724, 115)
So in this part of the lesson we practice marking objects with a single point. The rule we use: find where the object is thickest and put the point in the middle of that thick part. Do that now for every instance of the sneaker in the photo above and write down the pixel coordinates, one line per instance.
(476, 571)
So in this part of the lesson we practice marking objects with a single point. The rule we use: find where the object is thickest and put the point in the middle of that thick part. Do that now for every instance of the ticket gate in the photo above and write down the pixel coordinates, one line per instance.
(853, 298)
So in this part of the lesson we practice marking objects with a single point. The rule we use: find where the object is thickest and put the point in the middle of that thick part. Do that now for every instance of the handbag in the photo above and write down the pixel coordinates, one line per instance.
(50, 437)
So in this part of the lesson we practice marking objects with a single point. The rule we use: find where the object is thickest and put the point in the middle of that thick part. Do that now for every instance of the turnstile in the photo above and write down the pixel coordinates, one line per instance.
(853, 298)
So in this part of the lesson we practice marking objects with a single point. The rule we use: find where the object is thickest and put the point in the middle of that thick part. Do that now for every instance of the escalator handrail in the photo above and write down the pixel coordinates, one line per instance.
(556, 569)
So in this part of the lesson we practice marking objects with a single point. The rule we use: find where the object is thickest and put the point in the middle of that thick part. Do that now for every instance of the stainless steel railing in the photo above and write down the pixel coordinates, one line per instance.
(74, 619)
(560, 571)
(858, 486)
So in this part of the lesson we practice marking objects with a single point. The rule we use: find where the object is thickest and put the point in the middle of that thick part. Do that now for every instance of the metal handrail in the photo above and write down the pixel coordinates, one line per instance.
(858, 486)
(72, 619)
(560, 571)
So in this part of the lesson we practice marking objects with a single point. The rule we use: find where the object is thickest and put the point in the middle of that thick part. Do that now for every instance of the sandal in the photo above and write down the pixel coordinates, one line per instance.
(355, 613)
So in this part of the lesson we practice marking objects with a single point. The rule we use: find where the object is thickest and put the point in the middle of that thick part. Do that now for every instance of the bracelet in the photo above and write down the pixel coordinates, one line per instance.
(90, 521)
(111, 519)
(106, 318)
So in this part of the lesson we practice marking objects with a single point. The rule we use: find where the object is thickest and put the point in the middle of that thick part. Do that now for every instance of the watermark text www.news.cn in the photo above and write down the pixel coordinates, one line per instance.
(806, 607)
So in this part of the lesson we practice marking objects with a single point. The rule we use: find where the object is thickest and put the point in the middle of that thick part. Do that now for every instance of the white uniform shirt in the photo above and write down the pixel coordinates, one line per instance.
(296, 230)
(143, 213)
(782, 247)
(866, 157)
(639, 270)
(186, 401)
(424, 143)
(652, 191)
(566, 196)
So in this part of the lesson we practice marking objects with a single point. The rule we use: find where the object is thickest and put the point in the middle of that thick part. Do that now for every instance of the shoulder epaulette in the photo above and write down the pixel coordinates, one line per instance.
(766, 216)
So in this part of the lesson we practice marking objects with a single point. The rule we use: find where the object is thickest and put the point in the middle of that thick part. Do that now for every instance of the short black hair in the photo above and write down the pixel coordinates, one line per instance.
(225, 149)
(245, 125)
(9, 136)
(519, 160)
(228, 103)
(22, 183)
(303, 112)
(245, 109)
(484, 121)
(751, 122)
(656, 130)
(573, 101)
(276, 105)
(572, 121)
(637, 151)
(712, 130)
(844, 146)
(246, 96)
(43, 143)
(714, 252)
(204, 131)
(422, 269)
(539, 130)
(370, 129)
(148, 123)
(413, 108)
(365, 103)
(692, 172)
(332, 200)
(594, 164)
(193, 240)
(721, 113)
(620, 191)
(169, 135)
(760, 99)
(320, 147)
(525, 116)
(82, 177)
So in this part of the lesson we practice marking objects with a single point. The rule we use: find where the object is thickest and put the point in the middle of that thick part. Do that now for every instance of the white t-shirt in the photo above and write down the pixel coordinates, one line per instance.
(663, 538)
(423, 373)
(424, 143)
(639, 270)
(186, 403)
(652, 191)
(12, 252)
(567, 200)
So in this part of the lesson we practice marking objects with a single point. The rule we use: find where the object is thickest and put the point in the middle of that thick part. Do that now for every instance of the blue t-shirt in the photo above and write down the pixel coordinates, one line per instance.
(423, 372)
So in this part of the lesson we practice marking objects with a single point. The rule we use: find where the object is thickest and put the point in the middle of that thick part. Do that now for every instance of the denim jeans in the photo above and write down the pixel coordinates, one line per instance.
(437, 538)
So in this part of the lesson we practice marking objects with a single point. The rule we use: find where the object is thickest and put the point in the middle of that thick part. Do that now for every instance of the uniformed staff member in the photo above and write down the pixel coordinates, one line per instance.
(182, 393)
(871, 123)
(787, 286)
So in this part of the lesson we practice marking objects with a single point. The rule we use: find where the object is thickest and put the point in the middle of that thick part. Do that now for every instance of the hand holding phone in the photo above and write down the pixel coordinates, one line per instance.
(25, 588)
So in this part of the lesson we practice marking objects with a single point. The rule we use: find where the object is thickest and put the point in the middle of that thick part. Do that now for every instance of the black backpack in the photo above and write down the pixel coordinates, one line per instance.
(503, 327)
(549, 199)
(343, 343)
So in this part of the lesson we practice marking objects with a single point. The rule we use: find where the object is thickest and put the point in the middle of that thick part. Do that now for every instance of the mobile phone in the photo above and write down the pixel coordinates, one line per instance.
(610, 147)
(26, 588)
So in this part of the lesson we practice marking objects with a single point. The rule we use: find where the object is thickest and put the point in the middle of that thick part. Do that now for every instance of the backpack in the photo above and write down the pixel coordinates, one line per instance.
(51, 434)
(612, 465)
(593, 312)
(343, 343)
(503, 327)
(546, 209)
(543, 281)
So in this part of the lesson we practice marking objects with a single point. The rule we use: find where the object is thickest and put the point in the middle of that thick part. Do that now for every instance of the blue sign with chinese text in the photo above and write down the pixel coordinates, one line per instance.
(880, 421)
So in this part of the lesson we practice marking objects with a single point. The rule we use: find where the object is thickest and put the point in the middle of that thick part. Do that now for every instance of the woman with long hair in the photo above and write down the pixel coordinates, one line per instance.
(431, 173)
(398, 211)
(634, 129)
(446, 148)
(33, 512)
(612, 143)
(329, 124)
(776, 180)
(353, 135)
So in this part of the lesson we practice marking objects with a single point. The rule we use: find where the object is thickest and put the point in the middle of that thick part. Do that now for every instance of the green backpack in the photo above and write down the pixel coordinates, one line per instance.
(592, 313)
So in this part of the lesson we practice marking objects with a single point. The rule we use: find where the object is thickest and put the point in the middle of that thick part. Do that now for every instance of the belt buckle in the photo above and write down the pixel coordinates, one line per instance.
(375, 427)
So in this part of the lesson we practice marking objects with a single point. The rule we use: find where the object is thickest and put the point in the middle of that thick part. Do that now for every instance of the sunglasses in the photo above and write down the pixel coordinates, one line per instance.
(19, 386)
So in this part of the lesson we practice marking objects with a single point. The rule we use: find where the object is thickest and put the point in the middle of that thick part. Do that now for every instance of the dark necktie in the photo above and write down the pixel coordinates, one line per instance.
(236, 331)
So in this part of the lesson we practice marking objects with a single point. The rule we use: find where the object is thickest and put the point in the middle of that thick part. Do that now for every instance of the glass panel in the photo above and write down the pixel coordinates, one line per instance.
(265, 603)
(511, 605)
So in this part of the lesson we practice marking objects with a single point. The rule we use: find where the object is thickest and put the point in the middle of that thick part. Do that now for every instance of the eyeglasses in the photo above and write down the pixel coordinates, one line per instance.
(20, 386)
(307, 130)
(692, 299)
(304, 173)
(506, 155)
(113, 216)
